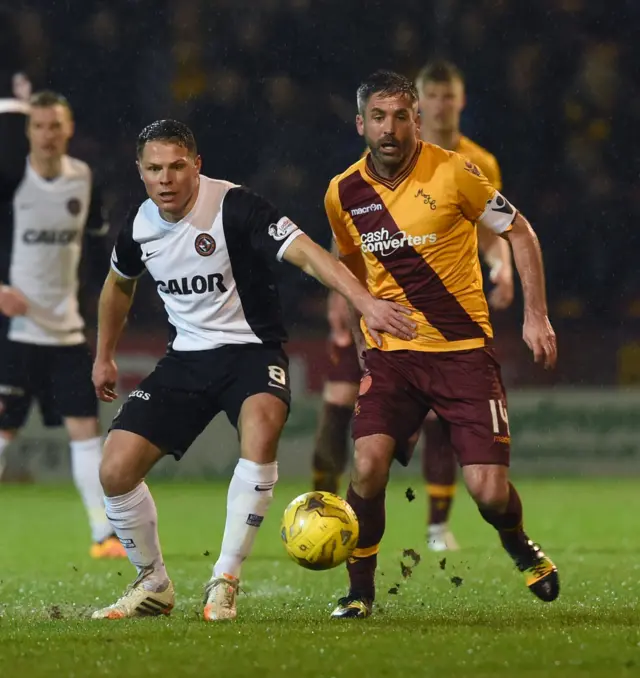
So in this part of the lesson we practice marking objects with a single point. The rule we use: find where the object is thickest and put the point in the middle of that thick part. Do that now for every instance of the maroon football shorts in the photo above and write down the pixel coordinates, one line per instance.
(464, 388)
(343, 363)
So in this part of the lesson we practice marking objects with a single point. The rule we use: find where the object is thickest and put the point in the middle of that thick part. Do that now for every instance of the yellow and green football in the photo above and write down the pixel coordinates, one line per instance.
(319, 530)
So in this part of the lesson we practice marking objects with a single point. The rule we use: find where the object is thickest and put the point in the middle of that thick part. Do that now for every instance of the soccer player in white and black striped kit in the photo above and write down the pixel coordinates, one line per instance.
(211, 248)
(47, 205)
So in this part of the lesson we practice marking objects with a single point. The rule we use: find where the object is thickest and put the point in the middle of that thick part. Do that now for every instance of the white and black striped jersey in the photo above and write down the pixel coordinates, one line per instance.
(213, 269)
(43, 239)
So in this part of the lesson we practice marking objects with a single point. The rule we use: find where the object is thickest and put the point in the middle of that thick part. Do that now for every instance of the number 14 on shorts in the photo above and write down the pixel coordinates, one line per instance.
(499, 412)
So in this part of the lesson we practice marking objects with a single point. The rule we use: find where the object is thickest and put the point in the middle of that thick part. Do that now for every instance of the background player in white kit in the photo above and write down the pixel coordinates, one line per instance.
(211, 248)
(43, 352)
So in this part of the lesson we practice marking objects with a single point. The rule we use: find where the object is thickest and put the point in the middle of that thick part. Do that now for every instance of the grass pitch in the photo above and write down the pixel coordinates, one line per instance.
(467, 616)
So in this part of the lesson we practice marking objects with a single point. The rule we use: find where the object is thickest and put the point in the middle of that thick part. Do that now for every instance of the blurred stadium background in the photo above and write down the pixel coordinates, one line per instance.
(268, 87)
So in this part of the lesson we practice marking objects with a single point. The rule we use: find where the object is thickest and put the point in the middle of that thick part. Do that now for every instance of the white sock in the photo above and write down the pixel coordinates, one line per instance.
(438, 529)
(135, 520)
(4, 443)
(85, 467)
(249, 497)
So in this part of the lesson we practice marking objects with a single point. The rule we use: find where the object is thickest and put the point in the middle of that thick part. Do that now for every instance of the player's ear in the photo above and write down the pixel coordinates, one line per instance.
(360, 124)
(418, 121)
(139, 169)
(198, 163)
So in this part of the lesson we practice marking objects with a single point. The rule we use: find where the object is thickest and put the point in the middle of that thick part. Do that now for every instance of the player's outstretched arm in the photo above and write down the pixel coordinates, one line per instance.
(537, 331)
(115, 301)
(497, 255)
(379, 315)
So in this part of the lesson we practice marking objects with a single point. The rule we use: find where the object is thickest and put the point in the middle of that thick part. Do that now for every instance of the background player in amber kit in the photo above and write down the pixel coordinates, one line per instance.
(441, 93)
(409, 210)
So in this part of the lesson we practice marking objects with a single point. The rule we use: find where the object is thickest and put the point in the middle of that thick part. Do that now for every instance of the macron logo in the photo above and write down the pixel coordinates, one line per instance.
(373, 207)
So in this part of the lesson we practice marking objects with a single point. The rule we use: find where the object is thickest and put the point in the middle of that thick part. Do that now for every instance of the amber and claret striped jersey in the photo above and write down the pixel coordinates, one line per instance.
(417, 236)
(479, 156)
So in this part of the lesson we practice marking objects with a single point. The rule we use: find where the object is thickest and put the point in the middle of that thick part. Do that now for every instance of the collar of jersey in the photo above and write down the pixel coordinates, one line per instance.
(392, 184)
(49, 184)
(170, 225)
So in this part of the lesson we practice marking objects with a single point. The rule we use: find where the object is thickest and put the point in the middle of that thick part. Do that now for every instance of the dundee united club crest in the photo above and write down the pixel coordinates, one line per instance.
(74, 206)
(205, 245)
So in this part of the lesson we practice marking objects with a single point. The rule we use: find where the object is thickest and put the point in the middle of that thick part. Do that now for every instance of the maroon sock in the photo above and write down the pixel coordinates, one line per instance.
(332, 447)
(362, 564)
(508, 523)
(439, 469)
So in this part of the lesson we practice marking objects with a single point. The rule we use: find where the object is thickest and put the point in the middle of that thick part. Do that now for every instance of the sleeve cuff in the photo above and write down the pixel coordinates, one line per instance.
(124, 275)
(286, 243)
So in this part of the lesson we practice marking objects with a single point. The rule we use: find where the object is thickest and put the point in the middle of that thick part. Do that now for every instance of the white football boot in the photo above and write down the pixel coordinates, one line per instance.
(139, 601)
(220, 598)
(440, 538)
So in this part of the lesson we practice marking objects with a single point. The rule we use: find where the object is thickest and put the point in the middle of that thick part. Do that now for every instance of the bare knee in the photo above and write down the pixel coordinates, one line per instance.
(126, 460)
(371, 464)
(82, 428)
(488, 485)
(260, 425)
(117, 475)
(342, 393)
